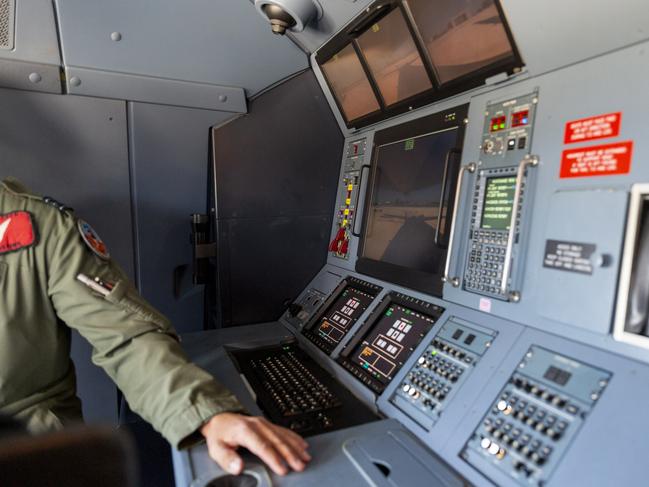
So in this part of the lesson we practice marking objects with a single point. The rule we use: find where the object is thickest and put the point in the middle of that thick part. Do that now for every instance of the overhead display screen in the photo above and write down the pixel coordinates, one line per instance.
(339, 318)
(350, 85)
(461, 36)
(404, 216)
(393, 58)
(498, 203)
(390, 342)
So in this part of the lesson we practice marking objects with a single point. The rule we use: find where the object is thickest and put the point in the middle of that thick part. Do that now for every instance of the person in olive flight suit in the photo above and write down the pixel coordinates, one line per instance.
(56, 274)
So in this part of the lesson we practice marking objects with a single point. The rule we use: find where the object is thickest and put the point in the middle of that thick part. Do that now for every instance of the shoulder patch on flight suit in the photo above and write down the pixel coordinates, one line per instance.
(93, 240)
(16, 231)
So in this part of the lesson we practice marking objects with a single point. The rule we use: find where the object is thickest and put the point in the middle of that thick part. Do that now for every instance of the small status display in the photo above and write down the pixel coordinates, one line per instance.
(498, 203)
(558, 376)
(498, 123)
(520, 119)
(391, 341)
(339, 318)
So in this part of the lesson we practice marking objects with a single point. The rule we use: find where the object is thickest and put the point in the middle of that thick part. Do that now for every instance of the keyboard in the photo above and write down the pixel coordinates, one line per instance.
(295, 392)
(292, 387)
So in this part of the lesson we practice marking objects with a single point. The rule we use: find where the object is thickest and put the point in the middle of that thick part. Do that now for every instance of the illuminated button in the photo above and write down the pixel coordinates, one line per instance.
(421, 360)
(350, 187)
(494, 448)
(412, 391)
(346, 212)
(406, 388)
(485, 443)
(501, 454)
(502, 405)
(348, 201)
(345, 222)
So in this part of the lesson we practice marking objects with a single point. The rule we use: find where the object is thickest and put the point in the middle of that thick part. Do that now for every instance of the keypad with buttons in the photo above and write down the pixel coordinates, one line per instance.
(484, 270)
(487, 250)
(440, 370)
(536, 416)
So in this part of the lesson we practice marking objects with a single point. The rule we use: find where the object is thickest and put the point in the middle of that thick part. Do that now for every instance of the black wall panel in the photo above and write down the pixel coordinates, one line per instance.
(276, 173)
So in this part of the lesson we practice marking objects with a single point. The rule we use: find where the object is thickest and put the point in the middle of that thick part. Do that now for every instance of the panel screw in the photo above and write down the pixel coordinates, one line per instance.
(116, 36)
(35, 78)
(223, 98)
(75, 81)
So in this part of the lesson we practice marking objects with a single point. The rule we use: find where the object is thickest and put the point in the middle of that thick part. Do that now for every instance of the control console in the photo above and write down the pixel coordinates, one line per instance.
(536, 416)
(441, 370)
(500, 199)
(348, 198)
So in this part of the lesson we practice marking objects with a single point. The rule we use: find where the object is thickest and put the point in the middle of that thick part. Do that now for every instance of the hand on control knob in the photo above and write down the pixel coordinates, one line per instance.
(276, 446)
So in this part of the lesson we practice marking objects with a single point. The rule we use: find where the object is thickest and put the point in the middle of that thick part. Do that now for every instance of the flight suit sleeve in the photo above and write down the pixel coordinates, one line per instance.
(132, 342)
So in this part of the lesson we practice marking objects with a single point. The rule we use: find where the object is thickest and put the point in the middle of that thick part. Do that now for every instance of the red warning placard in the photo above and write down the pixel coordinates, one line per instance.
(592, 128)
(599, 160)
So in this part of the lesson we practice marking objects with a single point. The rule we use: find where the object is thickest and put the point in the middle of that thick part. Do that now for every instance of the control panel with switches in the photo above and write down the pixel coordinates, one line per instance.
(348, 198)
(536, 416)
(441, 370)
(303, 309)
(500, 200)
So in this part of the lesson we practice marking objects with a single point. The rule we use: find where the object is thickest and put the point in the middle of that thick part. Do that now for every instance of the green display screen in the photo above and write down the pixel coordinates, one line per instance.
(498, 203)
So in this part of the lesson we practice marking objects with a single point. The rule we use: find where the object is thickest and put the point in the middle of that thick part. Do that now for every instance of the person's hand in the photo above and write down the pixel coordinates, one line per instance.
(276, 446)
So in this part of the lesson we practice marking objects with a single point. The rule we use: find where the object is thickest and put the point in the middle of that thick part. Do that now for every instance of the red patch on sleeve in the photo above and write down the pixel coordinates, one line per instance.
(16, 231)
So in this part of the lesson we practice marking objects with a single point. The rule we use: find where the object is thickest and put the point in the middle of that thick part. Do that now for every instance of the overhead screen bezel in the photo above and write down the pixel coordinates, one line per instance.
(429, 283)
(440, 90)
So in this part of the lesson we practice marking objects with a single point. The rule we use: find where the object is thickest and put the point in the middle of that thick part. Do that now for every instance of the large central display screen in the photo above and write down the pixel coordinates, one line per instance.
(391, 341)
(405, 215)
(498, 203)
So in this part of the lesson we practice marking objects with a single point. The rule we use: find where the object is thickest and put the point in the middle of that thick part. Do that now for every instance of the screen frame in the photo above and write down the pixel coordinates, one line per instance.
(430, 309)
(374, 13)
(429, 283)
(348, 281)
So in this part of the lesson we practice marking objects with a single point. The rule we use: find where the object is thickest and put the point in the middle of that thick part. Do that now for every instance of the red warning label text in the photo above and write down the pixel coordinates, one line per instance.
(591, 128)
(599, 160)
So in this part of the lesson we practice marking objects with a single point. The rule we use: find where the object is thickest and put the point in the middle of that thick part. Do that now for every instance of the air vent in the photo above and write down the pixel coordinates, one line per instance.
(7, 12)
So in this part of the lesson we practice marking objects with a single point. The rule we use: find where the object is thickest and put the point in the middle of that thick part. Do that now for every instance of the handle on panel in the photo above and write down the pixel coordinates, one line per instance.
(528, 161)
(454, 280)
(443, 201)
(360, 206)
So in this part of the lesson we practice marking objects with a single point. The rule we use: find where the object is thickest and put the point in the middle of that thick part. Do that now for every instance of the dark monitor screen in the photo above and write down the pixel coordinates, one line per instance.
(405, 214)
(390, 341)
(350, 84)
(461, 36)
(336, 321)
(393, 59)
(498, 203)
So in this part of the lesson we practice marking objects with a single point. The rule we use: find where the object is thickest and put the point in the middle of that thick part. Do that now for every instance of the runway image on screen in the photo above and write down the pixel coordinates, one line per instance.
(404, 209)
